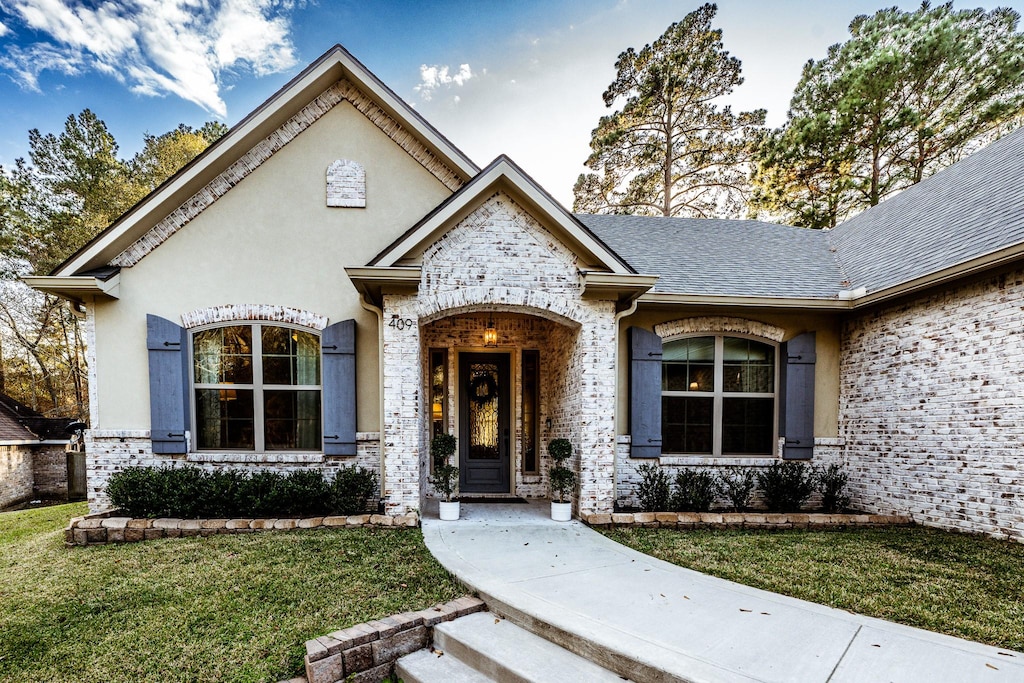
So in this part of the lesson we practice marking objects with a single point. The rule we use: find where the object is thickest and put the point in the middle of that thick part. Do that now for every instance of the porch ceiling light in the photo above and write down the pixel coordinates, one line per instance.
(490, 334)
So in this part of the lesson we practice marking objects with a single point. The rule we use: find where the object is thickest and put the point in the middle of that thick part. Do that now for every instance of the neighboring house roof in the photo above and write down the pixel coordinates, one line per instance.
(18, 422)
(968, 210)
(723, 257)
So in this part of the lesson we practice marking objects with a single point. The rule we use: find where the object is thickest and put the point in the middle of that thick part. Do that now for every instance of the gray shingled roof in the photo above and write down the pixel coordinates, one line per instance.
(723, 257)
(969, 209)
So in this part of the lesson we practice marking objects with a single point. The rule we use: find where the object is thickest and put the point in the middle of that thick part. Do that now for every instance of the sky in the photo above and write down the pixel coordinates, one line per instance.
(516, 77)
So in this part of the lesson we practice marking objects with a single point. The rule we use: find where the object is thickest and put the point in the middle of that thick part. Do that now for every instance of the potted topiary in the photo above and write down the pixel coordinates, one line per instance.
(446, 476)
(562, 480)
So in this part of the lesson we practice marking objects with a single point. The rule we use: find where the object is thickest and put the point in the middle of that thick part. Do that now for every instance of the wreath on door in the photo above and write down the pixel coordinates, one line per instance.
(483, 389)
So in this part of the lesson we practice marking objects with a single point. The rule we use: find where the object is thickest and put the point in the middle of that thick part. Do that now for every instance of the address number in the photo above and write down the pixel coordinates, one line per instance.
(400, 323)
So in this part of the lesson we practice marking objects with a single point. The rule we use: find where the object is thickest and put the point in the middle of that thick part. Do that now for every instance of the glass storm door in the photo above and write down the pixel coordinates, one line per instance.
(484, 423)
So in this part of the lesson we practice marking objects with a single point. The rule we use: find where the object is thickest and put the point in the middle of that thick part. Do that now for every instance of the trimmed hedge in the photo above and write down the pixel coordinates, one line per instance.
(191, 493)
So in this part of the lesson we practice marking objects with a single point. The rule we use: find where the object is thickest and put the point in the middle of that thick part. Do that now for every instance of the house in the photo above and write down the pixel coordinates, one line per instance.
(333, 282)
(34, 462)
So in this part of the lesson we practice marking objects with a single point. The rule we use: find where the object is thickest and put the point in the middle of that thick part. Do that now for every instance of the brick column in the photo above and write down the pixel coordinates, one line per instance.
(401, 440)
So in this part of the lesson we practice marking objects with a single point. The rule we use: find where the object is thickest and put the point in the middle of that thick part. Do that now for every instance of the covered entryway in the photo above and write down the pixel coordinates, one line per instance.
(484, 423)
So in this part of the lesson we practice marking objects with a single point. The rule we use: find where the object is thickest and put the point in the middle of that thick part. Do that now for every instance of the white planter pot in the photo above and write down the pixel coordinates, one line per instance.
(561, 512)
(448, 512)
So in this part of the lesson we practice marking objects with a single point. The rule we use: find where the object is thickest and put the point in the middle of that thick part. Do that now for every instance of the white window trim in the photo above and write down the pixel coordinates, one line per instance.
(718, 394)
(259, 445)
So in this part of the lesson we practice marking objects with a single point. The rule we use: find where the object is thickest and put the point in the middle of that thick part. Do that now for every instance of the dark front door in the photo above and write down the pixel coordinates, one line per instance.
(484, 412)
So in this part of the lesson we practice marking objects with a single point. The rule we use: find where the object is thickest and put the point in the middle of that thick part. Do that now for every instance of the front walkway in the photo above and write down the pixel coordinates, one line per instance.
(658, 622)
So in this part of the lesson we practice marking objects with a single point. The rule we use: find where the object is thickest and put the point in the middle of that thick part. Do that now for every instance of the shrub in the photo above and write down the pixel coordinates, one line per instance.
(831, 483)
(351, 489)
(695, 490)
(442, 447)
(786, 485)
(138, 491)
(561, 478)
(189, 492)
(737, 484)
(559, 449)
(653, 489)
(445, 479)
(306, 493)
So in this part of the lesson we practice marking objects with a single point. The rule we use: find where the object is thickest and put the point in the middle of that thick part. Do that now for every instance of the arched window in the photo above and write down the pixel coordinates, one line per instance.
(718, 396)
(256, 387)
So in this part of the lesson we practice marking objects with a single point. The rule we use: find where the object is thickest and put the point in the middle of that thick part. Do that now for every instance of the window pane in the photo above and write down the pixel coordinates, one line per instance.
(749, 366)
(747, 425)
(224, 418)
(290, 356)
(686, 424)
(438, 391)
(531, 402)
(688, 365)
(292, 420)
(223, 355)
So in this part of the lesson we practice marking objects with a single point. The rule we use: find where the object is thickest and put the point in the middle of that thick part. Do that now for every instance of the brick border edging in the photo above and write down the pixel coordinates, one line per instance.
(101, 528)
(739, 520)
(366, 653)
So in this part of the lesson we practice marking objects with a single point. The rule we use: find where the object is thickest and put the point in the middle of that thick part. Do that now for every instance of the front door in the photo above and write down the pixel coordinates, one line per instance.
(484, 413)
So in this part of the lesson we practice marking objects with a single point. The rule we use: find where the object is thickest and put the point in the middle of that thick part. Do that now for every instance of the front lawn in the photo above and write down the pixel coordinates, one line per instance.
(967, 586)
(221, 608)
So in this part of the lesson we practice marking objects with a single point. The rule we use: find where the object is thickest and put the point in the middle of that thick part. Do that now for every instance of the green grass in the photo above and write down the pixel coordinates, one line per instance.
(967, 586)
(221, 608)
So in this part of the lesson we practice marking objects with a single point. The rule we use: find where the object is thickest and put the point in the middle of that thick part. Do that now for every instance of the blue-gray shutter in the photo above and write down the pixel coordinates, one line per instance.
(644, 393)
(796, 405)
(338, 348)
(168, 382)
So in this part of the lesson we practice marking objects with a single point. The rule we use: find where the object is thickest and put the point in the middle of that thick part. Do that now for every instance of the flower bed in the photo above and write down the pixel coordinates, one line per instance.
(106, 527)
(739, 520)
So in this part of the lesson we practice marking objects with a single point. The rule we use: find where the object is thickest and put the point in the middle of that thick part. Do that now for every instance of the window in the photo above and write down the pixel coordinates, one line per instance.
(718, 396)
(438, 393)
(256, 388)
(530, 409)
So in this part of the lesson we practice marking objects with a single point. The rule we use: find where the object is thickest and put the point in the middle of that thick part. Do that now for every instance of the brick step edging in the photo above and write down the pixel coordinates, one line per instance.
(101, 528)
(740, 520)
(368, 652)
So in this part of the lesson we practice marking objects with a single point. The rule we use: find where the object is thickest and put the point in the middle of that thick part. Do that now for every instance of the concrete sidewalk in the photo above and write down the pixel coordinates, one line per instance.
(653, 621)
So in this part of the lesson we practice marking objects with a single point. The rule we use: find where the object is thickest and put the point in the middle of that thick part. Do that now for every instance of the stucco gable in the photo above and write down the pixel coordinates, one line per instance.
(336, 77)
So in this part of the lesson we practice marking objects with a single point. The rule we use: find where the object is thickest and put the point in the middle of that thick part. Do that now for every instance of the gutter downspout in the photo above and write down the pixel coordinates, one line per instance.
(379, 312)
(615, 443)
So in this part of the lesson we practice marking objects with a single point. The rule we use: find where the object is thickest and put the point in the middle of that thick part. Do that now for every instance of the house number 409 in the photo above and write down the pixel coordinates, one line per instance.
(400, 323)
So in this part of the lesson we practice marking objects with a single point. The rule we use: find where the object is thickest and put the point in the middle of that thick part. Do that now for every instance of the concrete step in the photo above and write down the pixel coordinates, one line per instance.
(505, 652)
(428, 666)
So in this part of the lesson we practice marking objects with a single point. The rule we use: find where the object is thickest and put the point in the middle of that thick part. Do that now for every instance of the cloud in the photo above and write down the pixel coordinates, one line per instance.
(3, 30)
(155, 47)
(434, 77)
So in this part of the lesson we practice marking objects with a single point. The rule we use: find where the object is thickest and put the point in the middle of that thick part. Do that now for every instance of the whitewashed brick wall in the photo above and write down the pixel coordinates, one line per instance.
(932, 407)
(403, 439)
(346, 184)
(500, 259)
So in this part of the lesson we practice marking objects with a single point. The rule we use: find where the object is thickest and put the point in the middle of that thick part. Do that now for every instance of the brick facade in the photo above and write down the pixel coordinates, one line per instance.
(930, 407)
(15, 474)
(498, 260)
(346, 184)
